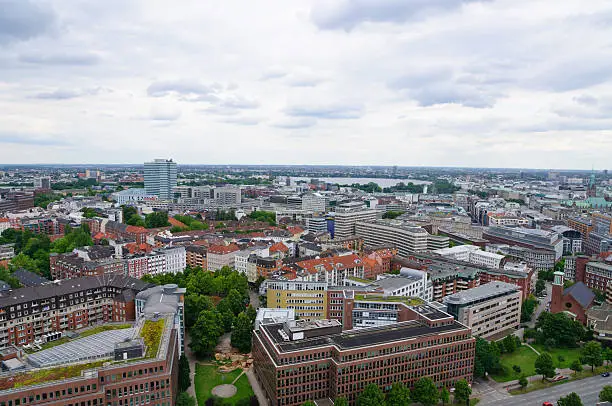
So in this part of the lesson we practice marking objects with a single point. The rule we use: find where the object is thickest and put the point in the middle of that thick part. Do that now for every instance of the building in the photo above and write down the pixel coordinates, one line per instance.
(305, 360)
(313, 202)
(307, 299)
(599, 319)
(132, 196)
(505, 219)
(219, 256)
(43, 182)
(71, 265)
(135, 376)
(405, 237)
(540, 259)
(241, 258)
(597, 275)
(227, 196)
(164, 300)
(491, 310)
(196, 256)
(332, 270)
(574, 301)
(316, 224)
(7, 251)
(5, 224)
(473, 255)
(583, 225)
(160, 178)
(31, 313)
(16, 201)
(526, 237)
(345, 220)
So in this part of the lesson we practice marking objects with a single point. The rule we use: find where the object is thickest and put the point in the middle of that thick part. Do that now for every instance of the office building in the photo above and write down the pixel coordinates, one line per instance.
(307, 299)
(302, 360)
(132, 196)
(405, 237)
(473, 255)
(346, 218)
(228, 196)
(526, 238)
(316, 224)
(43, 182)
(160, 178)
(491, 310)
(313, 202)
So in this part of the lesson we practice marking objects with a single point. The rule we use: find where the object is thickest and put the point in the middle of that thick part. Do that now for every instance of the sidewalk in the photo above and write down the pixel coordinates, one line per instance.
(192, 364)
(261, 397)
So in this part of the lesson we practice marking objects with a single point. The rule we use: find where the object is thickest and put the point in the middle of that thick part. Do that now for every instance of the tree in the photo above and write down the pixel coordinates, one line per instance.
(463, 391)
(523, 382)
(425, 392)
(156, 219)
(565, 331)
(341, 401)
(516, 369)
(183, 399)
(570, 400)
(184, 380)
(206, 332)
(309, 403)
(6, 276)
(242, 333)
(591, 355)
(509, 344)
(444, 396)
(540, 286)
(576, 366)
(487, 358)
(371, 396)
(544, 365)
(194, 304)
(399, 395)
(528, 308)
(606, 394)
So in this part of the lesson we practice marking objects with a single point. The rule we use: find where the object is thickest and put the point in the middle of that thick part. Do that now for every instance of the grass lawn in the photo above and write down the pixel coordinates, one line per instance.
(524, 357)
(569, 355)
(207, 377)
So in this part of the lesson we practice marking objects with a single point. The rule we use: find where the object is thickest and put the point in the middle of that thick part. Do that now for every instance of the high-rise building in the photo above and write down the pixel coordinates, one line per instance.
(160, 178)
(44, 182)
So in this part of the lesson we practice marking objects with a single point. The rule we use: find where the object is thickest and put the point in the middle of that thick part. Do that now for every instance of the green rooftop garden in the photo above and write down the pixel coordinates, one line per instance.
(47, 375)
(361, 280)
(410, 301)
(152, 332)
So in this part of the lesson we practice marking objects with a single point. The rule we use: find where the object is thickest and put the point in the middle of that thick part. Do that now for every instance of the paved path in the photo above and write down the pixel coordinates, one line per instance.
(261, 397)
(192, 366)
(542, 306)
(254, 298)
(238, 377)
(534, 350)
(588, 389)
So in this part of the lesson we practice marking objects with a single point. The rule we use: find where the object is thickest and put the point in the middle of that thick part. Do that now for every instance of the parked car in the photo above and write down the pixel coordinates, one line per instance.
(547, 404)
(605, 374)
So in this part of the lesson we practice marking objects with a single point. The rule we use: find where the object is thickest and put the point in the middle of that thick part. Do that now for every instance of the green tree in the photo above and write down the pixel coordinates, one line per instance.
(523, 382)
(528, 308)
(570, 400)
(576, 366)
(463, 391)
(156, 219)
(6, 276)
(242, 333)
(540, 286)
(206, 332)
(371, 396)
(565, 331)
(425, 392)
(183, 399)
(487, 359)
(399, 395)
(606, 394)
(184, 380)
(509, 344)
(236, 301)
(591, 355)
(544, 365)
(516, 369)
(341, 401)
(309, 403)
(444, 396)
(194, 304)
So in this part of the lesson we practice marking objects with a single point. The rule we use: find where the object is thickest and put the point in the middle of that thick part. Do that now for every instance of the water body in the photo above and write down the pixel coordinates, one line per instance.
(382, 182)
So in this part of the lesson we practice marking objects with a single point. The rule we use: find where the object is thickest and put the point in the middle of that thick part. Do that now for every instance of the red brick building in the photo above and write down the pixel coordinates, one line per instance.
(574, 301)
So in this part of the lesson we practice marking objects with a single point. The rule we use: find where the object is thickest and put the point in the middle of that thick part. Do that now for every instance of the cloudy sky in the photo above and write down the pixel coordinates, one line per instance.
(492, 83)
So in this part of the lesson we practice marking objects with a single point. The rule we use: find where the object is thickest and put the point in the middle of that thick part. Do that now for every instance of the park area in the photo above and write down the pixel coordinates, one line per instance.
(525, 357)
(208, 377)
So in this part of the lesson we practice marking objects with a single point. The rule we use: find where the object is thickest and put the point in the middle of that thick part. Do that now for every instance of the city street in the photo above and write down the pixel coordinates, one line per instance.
(541, 306)
(588, 389)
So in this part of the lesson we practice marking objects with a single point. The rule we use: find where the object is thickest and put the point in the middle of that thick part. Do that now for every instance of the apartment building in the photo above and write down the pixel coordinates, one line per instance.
(196, 256)
(31, 313)
(597, 275)
(219, 256)
(302, 360)
(405, 237)
(346, 219)
(491, 310)
(307, 299)
(7, 251)
(473, 255)
(66, 266)
(160, 178)
(331, 270)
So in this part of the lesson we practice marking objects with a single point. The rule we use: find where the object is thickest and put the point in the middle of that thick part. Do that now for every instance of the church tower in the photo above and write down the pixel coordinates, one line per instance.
(556, 303)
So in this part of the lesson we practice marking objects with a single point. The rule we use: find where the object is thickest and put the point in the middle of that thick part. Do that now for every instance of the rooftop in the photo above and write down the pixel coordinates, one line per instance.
(482, 292)
(410, 301)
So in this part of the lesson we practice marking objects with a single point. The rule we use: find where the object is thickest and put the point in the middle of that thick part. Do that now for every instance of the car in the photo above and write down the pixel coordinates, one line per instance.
(547, 404)
(605, 374)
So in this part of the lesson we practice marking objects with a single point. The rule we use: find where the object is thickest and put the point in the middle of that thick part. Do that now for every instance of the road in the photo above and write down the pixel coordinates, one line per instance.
(542, 306)
(588, 389)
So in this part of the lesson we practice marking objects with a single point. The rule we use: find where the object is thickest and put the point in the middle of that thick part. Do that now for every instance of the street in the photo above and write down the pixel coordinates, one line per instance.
(588, 389)
(541, 306)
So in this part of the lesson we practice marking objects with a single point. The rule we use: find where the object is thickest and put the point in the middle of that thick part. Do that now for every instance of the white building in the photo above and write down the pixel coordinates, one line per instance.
(160, 178)
(407, 238)
(410, 283)
(345, 220)
(176, 259)
(133, 195)
(228, 196)
(219, 256)
(472, 254)
(313, 202)
(5, 224)
(316, 224)
(241, 258)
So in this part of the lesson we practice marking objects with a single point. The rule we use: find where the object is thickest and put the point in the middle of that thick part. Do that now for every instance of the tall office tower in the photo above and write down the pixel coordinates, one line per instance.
(160, 178)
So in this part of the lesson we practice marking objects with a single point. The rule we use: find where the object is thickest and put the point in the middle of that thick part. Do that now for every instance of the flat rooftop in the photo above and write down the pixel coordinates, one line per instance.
(482, 292)
(352, 339)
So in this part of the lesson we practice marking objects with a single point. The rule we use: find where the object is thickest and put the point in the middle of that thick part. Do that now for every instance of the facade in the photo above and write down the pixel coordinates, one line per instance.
(307, 299)
(303, 360)
(490, 310)
(313, 202)
(331, 270)
(503, 219)
(574, 301)
(43, 182)
(345, 220)
(31, 313)
(227, 196)
(526, 237)
(406, 238)
(473, 255)
(132, 196)
(316, 224)
(196, 256)
(598, 275)
(7, 251)
(160, 178)
(219, 256)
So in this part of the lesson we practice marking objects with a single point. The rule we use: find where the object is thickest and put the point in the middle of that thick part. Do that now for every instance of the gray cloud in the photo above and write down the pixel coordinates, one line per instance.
(237, 102)
(581, 72)
(66, 94)
(586, 100)
(22, 20)
(273, 73)
(165, 115)
(330, 112)
(188, 88)
(76, 59)
(29, 139)
(241, 120)
(347, 14)
(295, 123)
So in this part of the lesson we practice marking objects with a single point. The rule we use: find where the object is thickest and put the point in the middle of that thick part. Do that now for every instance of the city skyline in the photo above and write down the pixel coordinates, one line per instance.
(460, 84)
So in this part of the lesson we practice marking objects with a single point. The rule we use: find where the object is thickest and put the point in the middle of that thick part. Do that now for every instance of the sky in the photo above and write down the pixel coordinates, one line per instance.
(477, 83)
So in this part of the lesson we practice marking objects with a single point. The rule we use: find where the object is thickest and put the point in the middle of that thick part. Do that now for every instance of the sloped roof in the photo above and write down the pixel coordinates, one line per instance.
(583, 295)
